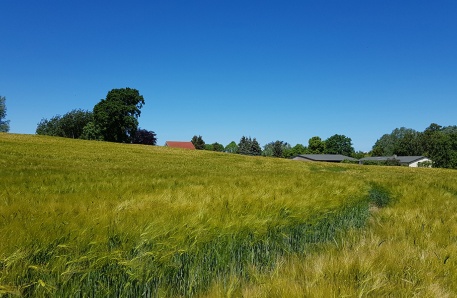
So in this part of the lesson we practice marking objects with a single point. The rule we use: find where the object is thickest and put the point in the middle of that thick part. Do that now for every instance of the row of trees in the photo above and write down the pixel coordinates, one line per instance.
(439, 143)
(4, 124)
(336, 144)
(113, 119)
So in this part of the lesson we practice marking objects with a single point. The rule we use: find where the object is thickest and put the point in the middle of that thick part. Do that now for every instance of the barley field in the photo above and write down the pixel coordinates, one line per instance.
(94, 219)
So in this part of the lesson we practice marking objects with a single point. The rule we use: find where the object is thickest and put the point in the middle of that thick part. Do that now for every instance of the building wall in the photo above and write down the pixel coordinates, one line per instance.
(415, 164)
(300, 158)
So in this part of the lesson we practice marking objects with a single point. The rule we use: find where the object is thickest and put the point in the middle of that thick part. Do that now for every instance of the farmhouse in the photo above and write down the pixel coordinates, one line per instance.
(410, 161)
(182, 145)
(323, 157)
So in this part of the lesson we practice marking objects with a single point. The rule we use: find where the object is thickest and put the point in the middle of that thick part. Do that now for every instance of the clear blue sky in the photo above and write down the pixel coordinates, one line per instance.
(273, 70)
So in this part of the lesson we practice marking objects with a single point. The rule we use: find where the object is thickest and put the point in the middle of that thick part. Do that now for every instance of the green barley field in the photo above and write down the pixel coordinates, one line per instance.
(94, 219)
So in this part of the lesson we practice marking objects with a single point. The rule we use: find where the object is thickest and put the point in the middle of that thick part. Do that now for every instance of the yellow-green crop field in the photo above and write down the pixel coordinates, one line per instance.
(94, 219)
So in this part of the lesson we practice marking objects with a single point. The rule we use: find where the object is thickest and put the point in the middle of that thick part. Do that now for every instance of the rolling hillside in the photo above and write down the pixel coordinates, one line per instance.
(94, 219)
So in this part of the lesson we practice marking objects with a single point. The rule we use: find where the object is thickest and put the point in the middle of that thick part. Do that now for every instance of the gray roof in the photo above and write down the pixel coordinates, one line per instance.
(325, 157)
(401, 159)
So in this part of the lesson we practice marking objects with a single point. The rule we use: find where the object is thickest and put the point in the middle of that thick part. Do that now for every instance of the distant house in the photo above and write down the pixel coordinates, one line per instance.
(323, 157)
(182, 145)
(410, 161)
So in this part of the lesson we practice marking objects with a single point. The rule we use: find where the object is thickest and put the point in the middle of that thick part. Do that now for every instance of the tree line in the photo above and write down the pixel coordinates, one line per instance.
(438, 143)
(115, 119)
(336, 144)
(4, 124)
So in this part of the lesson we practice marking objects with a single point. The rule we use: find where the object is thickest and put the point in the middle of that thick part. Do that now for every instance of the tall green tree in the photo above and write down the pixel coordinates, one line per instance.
(435, 142)
(217, 147)
(256, 150)
(440, 145)
(232, 147)
(70, 125)
(73, 123)
(276, 149)
(248, 146)
(384, 146)
(409, 144)
(50, 127)
(296, 150)
(4, 124)
(316, 145)
(145, 137)
(116, 116)
(401, 141)
(339, 144)
(91, 132)
(198, 142)
(244, 146)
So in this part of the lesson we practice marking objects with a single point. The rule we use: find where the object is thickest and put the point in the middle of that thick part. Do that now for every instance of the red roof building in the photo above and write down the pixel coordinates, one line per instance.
(182, 145)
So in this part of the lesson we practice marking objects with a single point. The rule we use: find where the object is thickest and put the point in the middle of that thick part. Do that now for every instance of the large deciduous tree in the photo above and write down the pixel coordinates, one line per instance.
(217, 147)
(4, 124)
(232, 147)
(401, 141)
(145, 137)
(276, 149)
(339, 144)
(116, 116)
(436, 142)
(440, 145)
(316, 145)
(296, 150)
(70, 125)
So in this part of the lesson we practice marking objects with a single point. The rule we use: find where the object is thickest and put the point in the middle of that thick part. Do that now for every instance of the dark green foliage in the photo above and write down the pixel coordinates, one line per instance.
(91, 132)
(383, 146)
(198, 142)
(440, 145)
(347, 161)
(359, 155)
(117, 115)
(409, 144)
(216, 147)
(295, 150)
(4, 124)
(244, 146)
(425, 164)
(436, 142)
(339, 144)
(255, 148)
(316, 145)
(276, 149)
(379, 196)
(145, 137)
(392, 162)
(70, 125)
(231, 148)
(388, 162)
(248, 146)
(401, 141)
(50, 127)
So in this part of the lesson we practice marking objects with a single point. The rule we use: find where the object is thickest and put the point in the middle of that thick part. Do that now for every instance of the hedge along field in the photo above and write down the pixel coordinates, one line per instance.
(81, 218)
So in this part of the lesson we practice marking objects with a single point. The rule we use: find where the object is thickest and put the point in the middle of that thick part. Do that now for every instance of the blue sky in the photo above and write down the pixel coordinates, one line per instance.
(273, 70)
